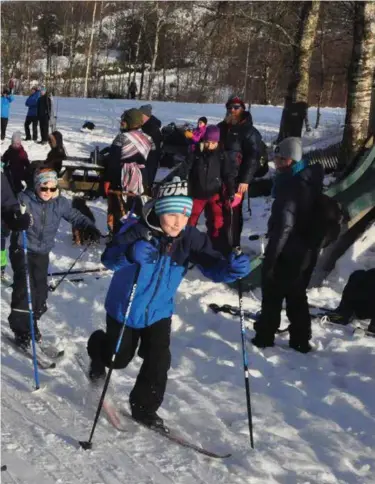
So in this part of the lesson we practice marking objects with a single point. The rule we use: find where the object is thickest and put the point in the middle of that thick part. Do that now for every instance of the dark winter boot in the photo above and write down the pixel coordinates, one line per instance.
(37, 333)
(301, 347)
(262, 342)
(97, 372)
(150, 419)
(371, 326)
(22, 340)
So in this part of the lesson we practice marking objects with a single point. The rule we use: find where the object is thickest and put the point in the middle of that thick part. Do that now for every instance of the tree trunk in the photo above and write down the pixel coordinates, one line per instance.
(142, 80)
(322, 78)
(371, 127)
(151, 76)
(97, 56)
(298, 87)
(88, 64)
(360, 83)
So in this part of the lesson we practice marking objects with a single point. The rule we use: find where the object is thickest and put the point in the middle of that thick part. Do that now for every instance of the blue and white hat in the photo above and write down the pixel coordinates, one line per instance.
(173, 197)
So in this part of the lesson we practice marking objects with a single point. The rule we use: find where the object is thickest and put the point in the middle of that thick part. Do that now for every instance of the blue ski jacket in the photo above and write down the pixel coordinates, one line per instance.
(157, 283)
(32, 103)
(46, 218)
(5, 101)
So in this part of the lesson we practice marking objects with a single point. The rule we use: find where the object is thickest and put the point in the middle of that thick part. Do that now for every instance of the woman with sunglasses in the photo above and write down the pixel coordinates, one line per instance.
(46, 207)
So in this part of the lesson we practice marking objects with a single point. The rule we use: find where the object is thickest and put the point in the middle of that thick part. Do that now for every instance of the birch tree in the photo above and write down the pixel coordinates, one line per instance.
(360, 82)
(89, 54)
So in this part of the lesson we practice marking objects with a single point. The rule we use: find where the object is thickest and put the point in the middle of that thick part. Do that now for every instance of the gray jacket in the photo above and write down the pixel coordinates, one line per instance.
(46, 220)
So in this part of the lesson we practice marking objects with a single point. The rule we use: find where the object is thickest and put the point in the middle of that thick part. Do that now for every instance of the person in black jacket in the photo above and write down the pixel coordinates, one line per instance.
(292, 248)
(44, 113)
(211, 177)
(243, 143)
(151, 126)
(57, 154)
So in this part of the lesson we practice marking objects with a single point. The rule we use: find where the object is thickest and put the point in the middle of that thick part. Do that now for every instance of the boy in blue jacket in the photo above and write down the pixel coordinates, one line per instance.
(32, 114)
(6, 98)
(154, 252)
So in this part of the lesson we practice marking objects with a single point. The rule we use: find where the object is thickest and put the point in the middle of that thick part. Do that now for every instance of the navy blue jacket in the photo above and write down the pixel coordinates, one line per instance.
(46, 220)
(157, 283)
(32, 103)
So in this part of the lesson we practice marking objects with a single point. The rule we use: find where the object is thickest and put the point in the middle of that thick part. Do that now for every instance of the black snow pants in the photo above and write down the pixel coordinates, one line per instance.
(148, 392)
(289, 282)
(4, 124)
(43, 125)
(19, 319)
(34, 121)
(358, 297)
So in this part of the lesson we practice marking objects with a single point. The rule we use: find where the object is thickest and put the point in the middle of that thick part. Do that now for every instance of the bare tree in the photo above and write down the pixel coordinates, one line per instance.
(360, 83)
(89, 55)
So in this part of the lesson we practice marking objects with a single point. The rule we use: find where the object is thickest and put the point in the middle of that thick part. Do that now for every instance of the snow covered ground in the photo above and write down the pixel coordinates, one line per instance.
(314, 415)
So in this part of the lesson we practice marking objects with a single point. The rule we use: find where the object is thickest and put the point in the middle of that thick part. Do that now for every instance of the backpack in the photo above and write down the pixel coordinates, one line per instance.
(330, 217)
(263, 162)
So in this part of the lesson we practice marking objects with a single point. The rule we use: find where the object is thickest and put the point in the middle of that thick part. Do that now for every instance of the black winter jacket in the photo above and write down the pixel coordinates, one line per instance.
(44, 107)
(152, 129)
(243, 143)
(207, 172)
(289, 233)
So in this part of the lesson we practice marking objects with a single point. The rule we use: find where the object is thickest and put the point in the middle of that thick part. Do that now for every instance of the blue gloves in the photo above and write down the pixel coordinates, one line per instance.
(143, 252)
(239, 265)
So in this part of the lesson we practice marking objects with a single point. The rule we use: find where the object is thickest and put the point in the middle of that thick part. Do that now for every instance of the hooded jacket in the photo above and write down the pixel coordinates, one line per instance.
(296, 195)
(5, 101)
(208, 171)
(158, 282)
(46, 220)
(31, 103)
(16, 166)
(57, 154)
(243, 143)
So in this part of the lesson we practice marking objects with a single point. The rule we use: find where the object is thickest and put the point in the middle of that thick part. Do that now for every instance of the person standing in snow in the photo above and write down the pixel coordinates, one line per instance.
(292, 248)
(6, 98)
(153, 252)
(47, 208)
(211, 176)
(132, 92)
(16, 163)
(32, 114)
(125, 176)
(243, 143)
(151, 126)
(44, 107)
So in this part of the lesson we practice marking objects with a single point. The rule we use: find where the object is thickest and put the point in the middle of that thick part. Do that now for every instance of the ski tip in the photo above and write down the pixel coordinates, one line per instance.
(85, 444)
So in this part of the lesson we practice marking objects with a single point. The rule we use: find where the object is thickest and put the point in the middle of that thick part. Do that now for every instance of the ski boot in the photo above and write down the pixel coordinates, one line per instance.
(97, 372)
(149, 419)
(300, 347)
(22, 340)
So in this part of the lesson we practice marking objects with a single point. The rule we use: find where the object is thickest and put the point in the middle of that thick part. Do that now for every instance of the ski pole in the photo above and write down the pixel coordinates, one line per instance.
(245, 364)
(53, 288)
(30, 304)
(79, 271)
(87, 444)
(245, 359)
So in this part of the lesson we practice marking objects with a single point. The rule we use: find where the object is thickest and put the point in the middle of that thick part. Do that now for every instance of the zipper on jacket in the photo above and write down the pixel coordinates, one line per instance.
(43, 224)
(168, 247)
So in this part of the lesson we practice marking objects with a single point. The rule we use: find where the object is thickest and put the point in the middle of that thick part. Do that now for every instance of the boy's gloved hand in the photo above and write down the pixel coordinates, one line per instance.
(143, 252)
(239, 265)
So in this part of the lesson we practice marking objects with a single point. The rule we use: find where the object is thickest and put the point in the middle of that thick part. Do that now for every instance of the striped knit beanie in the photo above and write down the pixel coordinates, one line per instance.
(173, 198)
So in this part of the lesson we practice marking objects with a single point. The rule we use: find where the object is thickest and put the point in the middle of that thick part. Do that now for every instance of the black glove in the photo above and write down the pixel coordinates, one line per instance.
(18, 221)
(93, 233)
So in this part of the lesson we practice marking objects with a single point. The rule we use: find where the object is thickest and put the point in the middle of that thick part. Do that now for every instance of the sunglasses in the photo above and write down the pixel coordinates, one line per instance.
(47, 189)
(235, 106)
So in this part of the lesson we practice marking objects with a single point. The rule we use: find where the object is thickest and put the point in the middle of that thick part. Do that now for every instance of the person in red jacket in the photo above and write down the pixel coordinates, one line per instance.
(16, 163)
